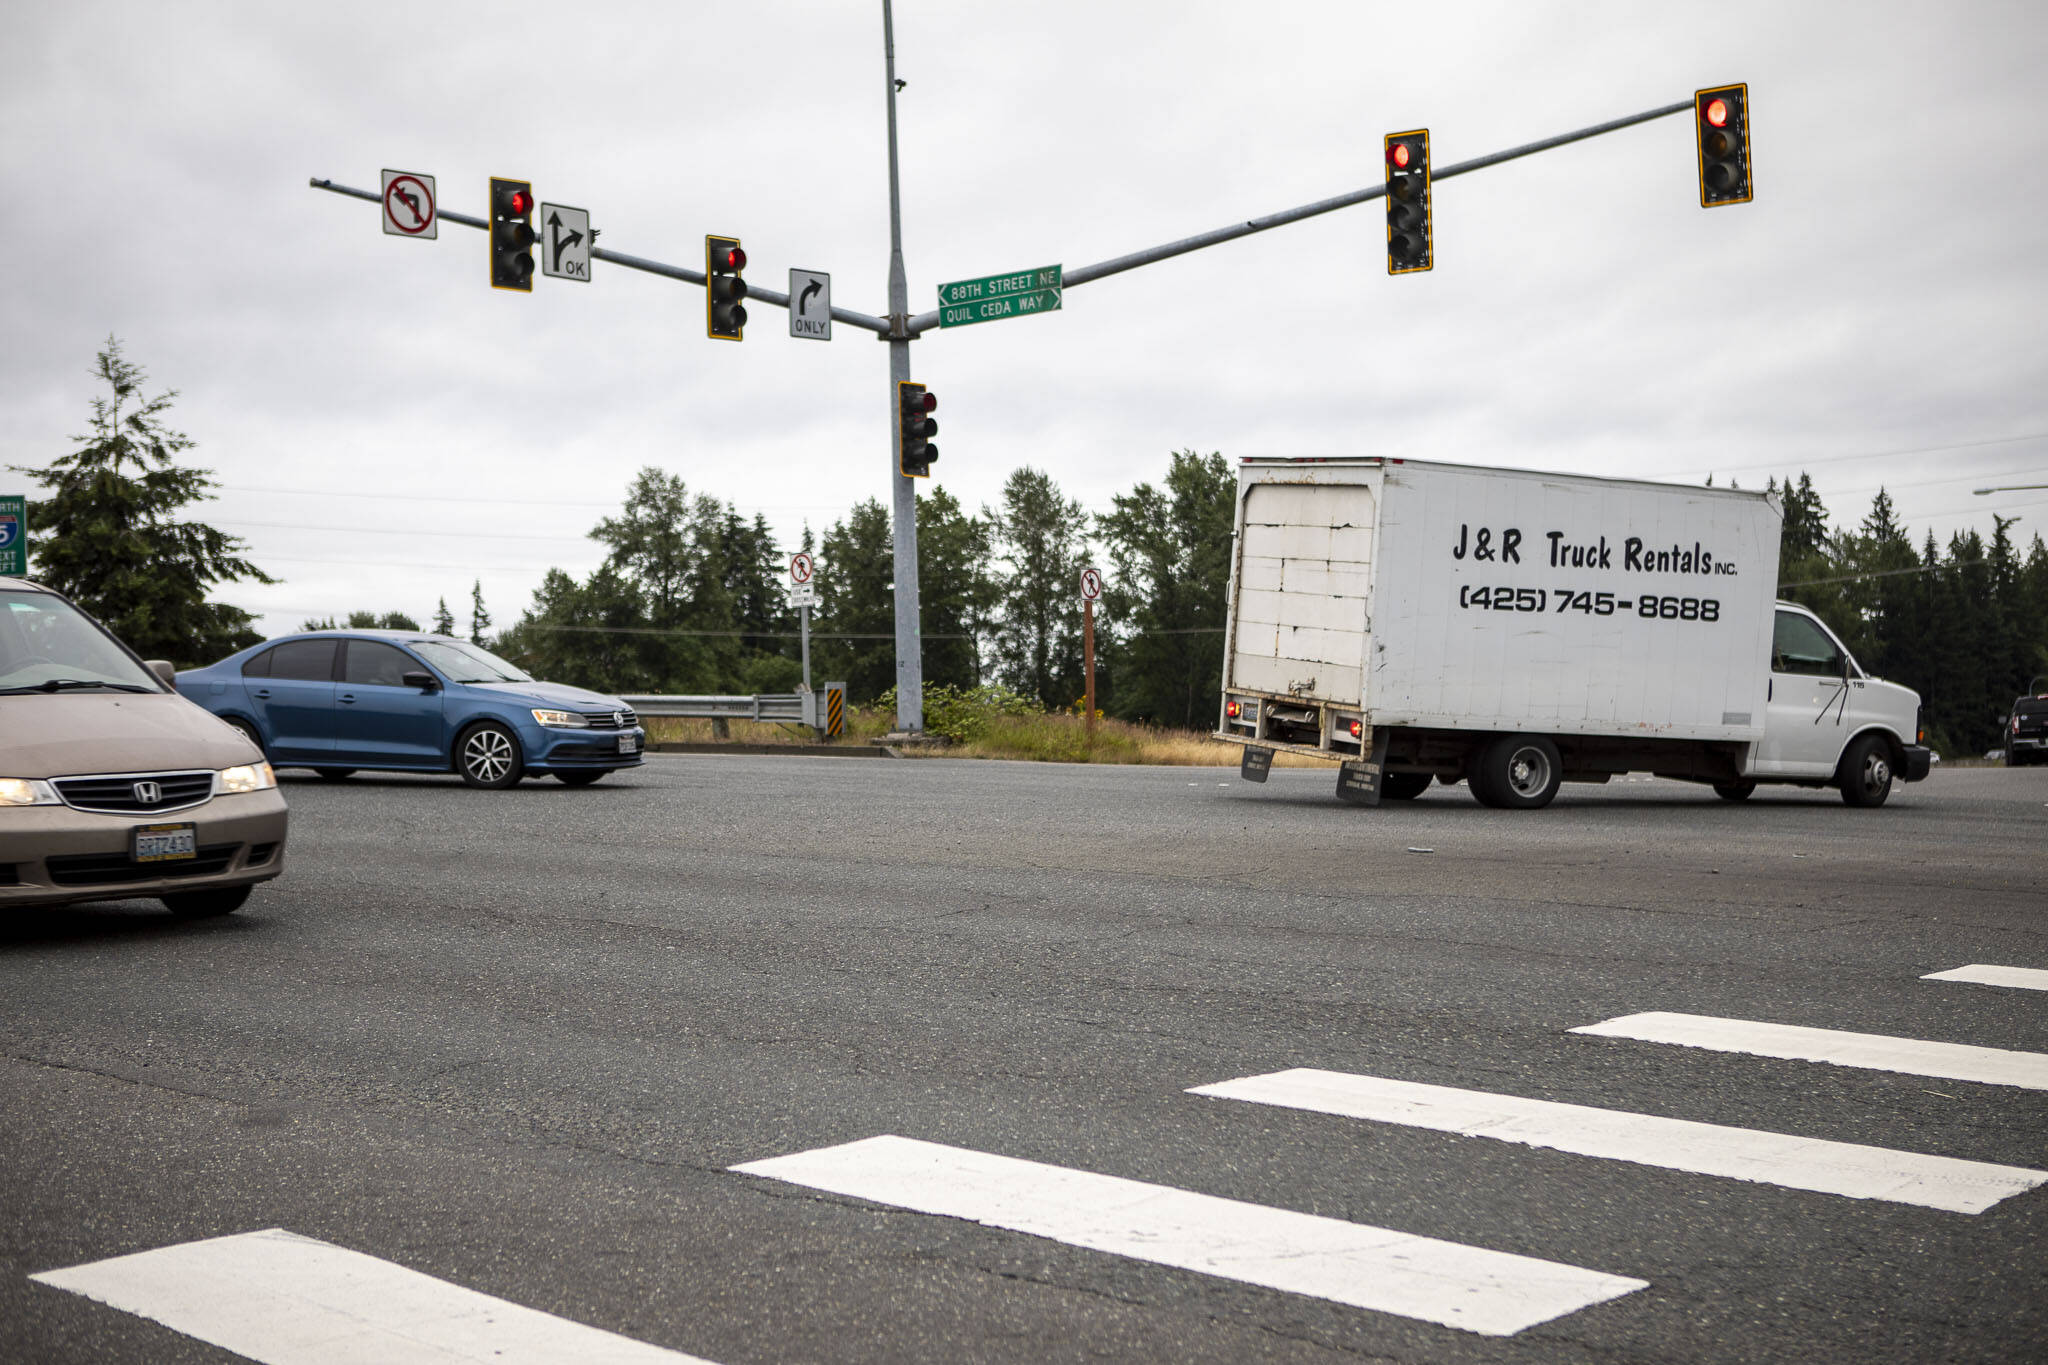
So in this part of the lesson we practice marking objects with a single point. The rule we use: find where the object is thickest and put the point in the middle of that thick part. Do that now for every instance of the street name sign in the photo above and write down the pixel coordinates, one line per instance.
(1000, 296)
(810, 304)
(409, 205)
(13, 536)
(565, 242)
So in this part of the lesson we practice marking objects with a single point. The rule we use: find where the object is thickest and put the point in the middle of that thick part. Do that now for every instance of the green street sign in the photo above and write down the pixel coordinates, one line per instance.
(1000, 296)
(13, 536)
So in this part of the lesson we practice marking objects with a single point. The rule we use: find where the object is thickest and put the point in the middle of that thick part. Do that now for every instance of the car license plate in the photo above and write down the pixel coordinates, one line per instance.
(629, 744)
(165, 843)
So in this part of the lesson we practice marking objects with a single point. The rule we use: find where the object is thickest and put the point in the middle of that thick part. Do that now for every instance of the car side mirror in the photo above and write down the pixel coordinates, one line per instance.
(163, 669)
(422, 680)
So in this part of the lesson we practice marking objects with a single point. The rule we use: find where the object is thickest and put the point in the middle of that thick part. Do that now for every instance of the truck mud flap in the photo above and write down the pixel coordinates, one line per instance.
(1256, 764)
(1358, 782)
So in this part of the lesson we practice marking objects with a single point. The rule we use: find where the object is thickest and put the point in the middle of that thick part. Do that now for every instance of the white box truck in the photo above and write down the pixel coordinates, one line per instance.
(1515, 629)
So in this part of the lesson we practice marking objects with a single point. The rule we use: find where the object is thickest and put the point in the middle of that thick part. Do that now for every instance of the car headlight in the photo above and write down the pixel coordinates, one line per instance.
(561, 720)
(27, 791)
(246, 777)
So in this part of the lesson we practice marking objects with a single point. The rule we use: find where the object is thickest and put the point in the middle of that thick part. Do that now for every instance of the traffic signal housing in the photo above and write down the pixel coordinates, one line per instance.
(1410, 246)
(512, 235)
(1721, 120)
(724, 287)
(915, 428)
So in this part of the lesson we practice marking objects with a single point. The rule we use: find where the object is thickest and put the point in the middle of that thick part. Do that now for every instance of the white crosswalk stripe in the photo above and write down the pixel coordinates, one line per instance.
(1984, 974)
(1870, 1051)
(1494, 1293)
(1843, 1168)
(282, 1299)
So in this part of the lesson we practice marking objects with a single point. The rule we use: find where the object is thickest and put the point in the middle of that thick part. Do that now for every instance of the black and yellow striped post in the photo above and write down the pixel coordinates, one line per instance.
(835, 709)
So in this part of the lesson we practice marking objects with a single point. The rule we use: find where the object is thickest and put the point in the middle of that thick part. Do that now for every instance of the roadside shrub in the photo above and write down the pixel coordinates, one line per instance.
(965, 715)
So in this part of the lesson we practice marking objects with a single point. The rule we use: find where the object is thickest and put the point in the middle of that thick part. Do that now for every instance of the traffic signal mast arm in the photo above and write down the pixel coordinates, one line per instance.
(1083, 274)
(755, 293)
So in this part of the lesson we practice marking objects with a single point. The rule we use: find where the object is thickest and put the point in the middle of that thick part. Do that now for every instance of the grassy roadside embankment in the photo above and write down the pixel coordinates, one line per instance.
(1043, 737)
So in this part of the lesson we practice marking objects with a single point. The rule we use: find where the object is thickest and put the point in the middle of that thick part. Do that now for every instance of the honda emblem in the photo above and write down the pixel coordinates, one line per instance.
(148, 793)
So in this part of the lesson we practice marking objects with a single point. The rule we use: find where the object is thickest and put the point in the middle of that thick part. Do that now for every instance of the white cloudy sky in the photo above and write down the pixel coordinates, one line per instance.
(387, 428)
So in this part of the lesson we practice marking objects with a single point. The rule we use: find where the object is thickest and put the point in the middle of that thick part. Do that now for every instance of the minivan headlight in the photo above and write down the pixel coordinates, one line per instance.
(27, 791)
(246, 777)
(561, 720)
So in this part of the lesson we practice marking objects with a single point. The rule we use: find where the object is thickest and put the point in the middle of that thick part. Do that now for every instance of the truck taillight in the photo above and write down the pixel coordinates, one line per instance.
(1232, 709)
(1357, 729)
(2015, 723)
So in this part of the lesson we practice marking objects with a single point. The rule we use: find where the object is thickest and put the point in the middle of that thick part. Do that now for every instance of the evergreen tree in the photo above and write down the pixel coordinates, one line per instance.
(479, 619)
(444, 619)
(857, 603)
(108, 537)
(365, 620)
(1040, 536)
(1169, 552)
(955, 593)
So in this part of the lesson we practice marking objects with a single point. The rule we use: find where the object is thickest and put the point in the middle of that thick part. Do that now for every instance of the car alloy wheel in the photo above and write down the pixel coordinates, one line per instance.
(488, 757)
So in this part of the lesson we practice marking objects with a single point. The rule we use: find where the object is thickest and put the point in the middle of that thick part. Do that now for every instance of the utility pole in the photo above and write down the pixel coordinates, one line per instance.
(909, 636)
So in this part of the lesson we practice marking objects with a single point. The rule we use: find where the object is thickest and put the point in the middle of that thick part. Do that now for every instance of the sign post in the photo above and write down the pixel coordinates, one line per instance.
(13, 536)
(1091, 588)
(803, 595)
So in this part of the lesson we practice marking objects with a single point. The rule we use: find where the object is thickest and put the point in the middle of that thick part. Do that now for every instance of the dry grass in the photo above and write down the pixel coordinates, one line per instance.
(1040, 738)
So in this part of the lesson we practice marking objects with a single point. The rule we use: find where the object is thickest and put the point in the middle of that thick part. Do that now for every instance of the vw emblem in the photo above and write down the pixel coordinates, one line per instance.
(148, 793)
(619, 719)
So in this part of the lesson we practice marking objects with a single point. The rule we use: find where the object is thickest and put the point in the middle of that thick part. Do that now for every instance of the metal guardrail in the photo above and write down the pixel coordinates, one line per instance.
(766, 706)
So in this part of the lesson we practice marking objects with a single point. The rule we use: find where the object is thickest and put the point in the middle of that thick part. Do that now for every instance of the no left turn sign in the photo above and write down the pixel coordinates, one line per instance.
(800, 568)
(409, 205)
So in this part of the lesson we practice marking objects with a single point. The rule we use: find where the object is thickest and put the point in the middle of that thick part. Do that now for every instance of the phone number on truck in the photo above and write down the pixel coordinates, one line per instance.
(1649, 606)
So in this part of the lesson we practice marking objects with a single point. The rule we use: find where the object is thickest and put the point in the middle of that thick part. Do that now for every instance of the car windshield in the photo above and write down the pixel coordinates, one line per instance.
(466, 663)
(48, 645)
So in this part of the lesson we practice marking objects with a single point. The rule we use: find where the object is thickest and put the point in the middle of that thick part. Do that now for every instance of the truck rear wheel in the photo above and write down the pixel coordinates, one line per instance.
(1867, 772)
(1735, 791)
(1517, 772)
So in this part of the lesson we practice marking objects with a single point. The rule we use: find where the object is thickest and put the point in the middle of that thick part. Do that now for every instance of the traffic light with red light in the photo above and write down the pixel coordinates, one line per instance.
(1410, 246)
(915, 428)
(724, 318)
(511, 235)
(1721, 117)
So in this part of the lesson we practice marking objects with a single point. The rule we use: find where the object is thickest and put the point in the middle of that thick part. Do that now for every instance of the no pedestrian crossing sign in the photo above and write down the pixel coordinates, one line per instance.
(1000, 296)
(13, 536)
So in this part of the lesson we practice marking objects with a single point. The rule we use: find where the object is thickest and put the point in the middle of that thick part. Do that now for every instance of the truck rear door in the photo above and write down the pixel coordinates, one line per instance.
(1304, 576)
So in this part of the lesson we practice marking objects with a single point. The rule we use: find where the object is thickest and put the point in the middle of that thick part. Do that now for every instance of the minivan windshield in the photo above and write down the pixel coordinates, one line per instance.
(466, 663)
(48, 645)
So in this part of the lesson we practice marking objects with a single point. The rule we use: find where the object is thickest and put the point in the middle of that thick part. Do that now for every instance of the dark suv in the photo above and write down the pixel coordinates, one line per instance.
(2026, 729)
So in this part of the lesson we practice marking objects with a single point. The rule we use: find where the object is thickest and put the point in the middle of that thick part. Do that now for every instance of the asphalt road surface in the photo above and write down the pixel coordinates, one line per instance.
(514, 1044)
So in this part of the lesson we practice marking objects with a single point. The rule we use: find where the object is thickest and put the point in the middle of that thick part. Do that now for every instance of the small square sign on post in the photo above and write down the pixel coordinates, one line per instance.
(13, 536)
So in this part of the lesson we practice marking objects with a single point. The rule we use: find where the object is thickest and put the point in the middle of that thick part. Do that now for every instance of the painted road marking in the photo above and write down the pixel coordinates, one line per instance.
(1494, 1293)
(1874, 1052)
(1983, 974)
(1844, 1168)
(282, 1299)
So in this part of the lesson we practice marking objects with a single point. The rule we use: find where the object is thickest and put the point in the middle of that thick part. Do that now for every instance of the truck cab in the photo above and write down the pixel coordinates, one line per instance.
(1829, 723)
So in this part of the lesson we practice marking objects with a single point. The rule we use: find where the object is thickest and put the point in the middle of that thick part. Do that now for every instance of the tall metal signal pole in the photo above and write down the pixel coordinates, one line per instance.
(909, 636)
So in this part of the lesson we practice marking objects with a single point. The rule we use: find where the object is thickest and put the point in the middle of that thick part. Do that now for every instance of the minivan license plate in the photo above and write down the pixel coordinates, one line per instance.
(165, 843)
(629, 744)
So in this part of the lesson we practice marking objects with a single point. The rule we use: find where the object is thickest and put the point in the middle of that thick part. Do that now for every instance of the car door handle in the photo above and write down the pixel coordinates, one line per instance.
(262, 693)
(348, 697)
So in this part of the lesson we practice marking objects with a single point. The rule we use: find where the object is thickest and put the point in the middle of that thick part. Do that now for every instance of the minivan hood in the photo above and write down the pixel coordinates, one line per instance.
(68, 733)
(555, 694)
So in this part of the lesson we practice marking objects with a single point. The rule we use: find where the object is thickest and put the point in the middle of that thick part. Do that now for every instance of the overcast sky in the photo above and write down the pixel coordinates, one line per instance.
(387, 428)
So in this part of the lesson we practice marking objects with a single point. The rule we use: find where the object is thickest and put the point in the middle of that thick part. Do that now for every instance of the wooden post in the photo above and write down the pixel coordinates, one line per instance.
(1088, 658)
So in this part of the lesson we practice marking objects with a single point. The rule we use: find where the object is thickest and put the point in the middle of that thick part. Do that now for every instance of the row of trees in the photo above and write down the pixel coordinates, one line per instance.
(690, 595)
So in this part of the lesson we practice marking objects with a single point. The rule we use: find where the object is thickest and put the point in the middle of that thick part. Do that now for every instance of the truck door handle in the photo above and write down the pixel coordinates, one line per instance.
(1769, 687)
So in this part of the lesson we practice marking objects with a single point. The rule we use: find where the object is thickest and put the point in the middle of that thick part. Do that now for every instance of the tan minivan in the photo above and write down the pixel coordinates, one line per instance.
(112, 786)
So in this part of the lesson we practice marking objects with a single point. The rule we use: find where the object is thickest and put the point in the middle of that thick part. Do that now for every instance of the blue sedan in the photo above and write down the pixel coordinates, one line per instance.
(402, 701)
